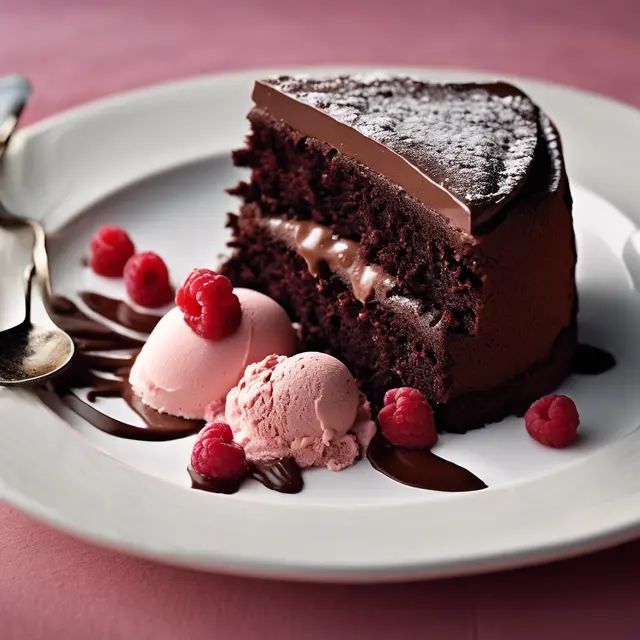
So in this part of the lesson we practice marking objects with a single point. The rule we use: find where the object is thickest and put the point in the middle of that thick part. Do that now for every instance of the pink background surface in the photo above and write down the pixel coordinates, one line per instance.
(54, 587)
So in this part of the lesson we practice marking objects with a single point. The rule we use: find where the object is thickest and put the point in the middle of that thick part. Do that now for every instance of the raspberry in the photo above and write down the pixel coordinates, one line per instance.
(216, 455)
(110, 249)
(553, 421)
(209, 305)
(407, 419)
(147, 280)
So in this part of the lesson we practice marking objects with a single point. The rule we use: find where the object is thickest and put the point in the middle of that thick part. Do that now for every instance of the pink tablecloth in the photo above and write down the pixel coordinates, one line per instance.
(55, 588)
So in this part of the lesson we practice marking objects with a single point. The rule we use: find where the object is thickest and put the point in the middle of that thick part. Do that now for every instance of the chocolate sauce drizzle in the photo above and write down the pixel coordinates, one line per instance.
(591, 361)
(120, 312)
(420, 468)
(281, 475)
(101, 350)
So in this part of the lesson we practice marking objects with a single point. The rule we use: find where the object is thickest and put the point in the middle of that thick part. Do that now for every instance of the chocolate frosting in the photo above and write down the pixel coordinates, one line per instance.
(463, 150)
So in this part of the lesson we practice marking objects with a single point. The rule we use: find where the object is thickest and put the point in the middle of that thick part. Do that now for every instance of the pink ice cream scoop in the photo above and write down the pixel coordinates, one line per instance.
(307, 407)
(180, 373)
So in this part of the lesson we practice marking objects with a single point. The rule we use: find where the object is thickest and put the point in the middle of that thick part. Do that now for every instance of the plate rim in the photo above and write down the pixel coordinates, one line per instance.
(347, 572)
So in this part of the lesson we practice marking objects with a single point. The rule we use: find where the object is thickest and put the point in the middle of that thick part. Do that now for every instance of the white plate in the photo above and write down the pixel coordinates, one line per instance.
(157, 162)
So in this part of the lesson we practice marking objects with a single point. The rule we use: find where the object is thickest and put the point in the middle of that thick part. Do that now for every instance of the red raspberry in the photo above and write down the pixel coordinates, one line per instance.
(209, 305)
(147, 280)
(553, 421)
(216, 455)
(407, 419)
(110, 249)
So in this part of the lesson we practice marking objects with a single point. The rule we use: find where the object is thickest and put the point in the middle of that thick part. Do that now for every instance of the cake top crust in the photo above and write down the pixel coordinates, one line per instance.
(464, 150)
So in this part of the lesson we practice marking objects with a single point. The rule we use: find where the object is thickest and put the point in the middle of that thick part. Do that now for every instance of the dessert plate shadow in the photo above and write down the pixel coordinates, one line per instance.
(157, 162)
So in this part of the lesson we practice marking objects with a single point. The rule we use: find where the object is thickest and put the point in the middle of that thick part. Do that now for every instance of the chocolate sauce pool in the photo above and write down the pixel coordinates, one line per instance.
(420, 468)
(591, 361)
(100, 350)
(281, 475)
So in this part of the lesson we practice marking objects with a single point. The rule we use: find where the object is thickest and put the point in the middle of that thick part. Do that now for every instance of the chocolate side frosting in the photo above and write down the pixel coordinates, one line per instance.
(464, 151)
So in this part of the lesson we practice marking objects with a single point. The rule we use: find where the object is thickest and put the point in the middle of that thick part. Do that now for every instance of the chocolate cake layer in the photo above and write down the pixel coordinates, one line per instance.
(391, 341)
(402, 295)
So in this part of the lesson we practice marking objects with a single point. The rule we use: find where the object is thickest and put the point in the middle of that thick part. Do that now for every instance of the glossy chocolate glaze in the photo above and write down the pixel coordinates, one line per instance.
(420, 468)
(591, 361)
(462, 150)
(281, 475)
(101, 350)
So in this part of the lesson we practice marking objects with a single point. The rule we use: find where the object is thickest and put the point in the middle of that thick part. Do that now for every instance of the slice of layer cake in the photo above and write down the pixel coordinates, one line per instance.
(421, 233)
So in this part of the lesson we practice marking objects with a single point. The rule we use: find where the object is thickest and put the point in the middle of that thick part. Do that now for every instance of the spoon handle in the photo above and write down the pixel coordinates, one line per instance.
(14, 93)
(41, 259)
(16, 253)
(29, 272)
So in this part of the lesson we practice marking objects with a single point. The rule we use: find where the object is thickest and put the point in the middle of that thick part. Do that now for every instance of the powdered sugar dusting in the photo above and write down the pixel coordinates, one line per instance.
(477, 141)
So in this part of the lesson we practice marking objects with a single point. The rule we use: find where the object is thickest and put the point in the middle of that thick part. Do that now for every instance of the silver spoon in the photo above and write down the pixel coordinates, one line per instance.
(29, 353)
(32, 353)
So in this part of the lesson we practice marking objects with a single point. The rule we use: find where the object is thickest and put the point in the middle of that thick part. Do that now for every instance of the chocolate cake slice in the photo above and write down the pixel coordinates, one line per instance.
(421, 233)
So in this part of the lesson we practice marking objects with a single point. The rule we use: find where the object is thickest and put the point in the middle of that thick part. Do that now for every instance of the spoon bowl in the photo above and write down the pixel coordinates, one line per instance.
(31, 355)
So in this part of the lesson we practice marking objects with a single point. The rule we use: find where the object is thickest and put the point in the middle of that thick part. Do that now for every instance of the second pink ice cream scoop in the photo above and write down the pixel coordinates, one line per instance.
(307, 407)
